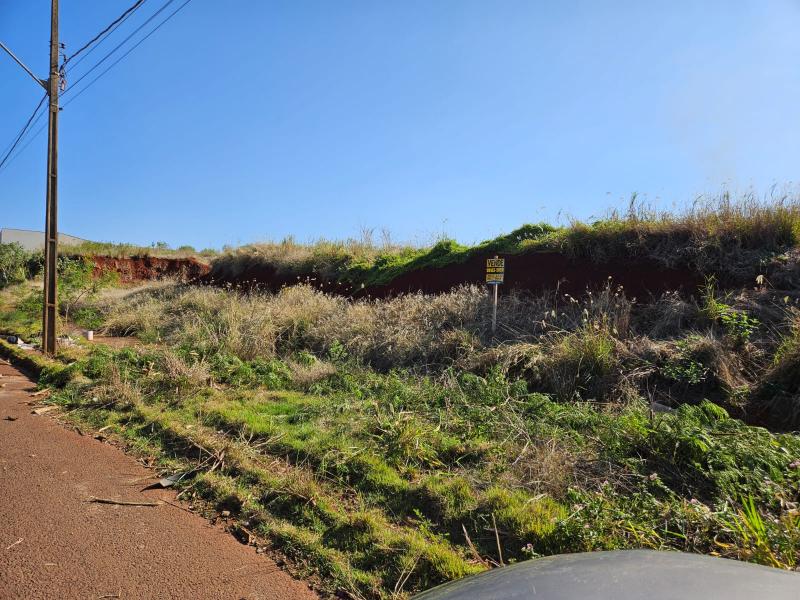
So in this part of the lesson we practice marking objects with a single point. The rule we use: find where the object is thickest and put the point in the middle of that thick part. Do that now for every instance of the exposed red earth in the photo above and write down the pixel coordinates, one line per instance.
(144, 268)
(531, 272)
(55, 542)
(539, 271)
(267, 277)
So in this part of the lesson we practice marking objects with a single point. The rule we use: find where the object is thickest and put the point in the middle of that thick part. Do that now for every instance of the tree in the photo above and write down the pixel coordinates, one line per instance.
(77, 282)
(14, 261)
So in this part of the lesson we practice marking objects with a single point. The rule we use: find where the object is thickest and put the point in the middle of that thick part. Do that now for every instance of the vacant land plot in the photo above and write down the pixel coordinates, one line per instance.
(389, 445)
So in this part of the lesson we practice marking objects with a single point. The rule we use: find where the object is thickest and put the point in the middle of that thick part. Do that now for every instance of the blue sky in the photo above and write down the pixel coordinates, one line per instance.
(252, 120)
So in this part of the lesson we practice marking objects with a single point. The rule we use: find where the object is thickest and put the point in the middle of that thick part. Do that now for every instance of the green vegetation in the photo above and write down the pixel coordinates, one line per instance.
(78, 285)
(16, 265)
(730, 238)
(739, 326)
(390, 445)
(156, 249)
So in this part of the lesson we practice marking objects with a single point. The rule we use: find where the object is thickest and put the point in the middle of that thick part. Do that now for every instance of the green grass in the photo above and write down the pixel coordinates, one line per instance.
(371, 480)
(117, 250)
(388, 446)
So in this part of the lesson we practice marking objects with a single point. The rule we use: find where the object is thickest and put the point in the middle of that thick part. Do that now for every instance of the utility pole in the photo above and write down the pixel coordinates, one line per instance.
(51, 86)
(49, 312)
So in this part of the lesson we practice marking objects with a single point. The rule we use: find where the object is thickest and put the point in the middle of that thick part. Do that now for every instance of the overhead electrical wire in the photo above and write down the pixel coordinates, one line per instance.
(33, 121)
(35, 135)
(127, 52)
(22, 132)
(103, 34)
(118, 46)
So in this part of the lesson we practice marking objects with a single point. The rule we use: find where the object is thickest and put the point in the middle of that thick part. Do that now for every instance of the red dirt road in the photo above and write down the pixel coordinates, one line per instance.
(55, 544)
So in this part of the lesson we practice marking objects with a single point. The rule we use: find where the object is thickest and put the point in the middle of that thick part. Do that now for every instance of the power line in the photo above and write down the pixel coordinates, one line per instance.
(118, 46)
(22, 131)
(87, 86)
(131, 49)
(30, 139)
(103, 34)
(36, 134)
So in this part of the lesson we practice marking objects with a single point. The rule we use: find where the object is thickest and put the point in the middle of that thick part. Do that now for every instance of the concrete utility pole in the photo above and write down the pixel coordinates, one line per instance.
(51, 86)
(49, 313)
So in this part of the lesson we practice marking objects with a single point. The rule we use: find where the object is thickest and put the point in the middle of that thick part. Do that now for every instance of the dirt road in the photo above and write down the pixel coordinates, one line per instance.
(55, 544)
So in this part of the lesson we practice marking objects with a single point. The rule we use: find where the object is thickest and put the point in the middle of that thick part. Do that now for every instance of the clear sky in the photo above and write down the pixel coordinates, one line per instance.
(246, 120)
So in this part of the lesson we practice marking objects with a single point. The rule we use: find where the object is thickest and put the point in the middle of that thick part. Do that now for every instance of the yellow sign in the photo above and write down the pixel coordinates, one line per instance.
(495, 270)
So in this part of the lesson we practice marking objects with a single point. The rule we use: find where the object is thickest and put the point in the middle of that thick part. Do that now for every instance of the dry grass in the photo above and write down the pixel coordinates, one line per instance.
(398, 332)
(600, 346)
(721, 235)
(372, 437)
(326, 258)
(306, 374)
(708, 230)
(776, 401)
(410, 330)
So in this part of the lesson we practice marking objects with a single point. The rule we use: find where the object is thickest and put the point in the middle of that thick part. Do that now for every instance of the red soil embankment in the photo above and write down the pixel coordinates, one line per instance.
(533, 272)
(538, 271)
(145, 268)
(266, 277)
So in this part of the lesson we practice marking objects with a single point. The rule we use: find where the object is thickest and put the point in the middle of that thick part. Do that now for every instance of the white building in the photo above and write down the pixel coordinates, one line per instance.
(34, 240)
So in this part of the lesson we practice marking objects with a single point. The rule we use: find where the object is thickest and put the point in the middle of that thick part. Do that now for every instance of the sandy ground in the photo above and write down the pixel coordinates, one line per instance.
(56, 544)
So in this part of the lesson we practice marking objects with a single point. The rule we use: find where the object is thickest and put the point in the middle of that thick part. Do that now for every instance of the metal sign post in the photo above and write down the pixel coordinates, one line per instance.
(495, 274)
(494, 309)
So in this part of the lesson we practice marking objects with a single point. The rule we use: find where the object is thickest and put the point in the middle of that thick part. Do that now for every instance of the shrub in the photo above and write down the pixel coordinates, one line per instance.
(683, 367)
(77, 283)
(14, 264)
(738, 325)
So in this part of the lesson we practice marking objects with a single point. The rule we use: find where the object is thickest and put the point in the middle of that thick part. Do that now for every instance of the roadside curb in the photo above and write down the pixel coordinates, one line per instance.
(28, 362)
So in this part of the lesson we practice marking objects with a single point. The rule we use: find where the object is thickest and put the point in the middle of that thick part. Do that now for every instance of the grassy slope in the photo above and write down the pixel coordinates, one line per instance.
(363, 482)
(392, 445)
(728, 238)
(388, 446)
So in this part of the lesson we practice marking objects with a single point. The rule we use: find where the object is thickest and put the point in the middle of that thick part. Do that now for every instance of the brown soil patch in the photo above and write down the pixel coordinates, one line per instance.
(146, 268)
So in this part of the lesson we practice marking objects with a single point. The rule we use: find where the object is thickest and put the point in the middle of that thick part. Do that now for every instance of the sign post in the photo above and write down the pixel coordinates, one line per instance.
(495, 273)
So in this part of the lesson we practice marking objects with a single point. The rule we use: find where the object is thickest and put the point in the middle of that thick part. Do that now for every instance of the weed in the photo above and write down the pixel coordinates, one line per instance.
(738, 325)
(390, 445)
(683, 367)
(582, 364)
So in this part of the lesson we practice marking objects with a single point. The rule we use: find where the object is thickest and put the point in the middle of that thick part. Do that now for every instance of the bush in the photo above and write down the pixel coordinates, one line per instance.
(684, 367)
(15, 264)
(738, 325)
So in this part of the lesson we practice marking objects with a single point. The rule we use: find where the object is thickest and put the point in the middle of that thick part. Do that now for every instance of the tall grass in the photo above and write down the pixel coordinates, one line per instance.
(719, 235)
(123, 250)
(393, 444)
(413, 330)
